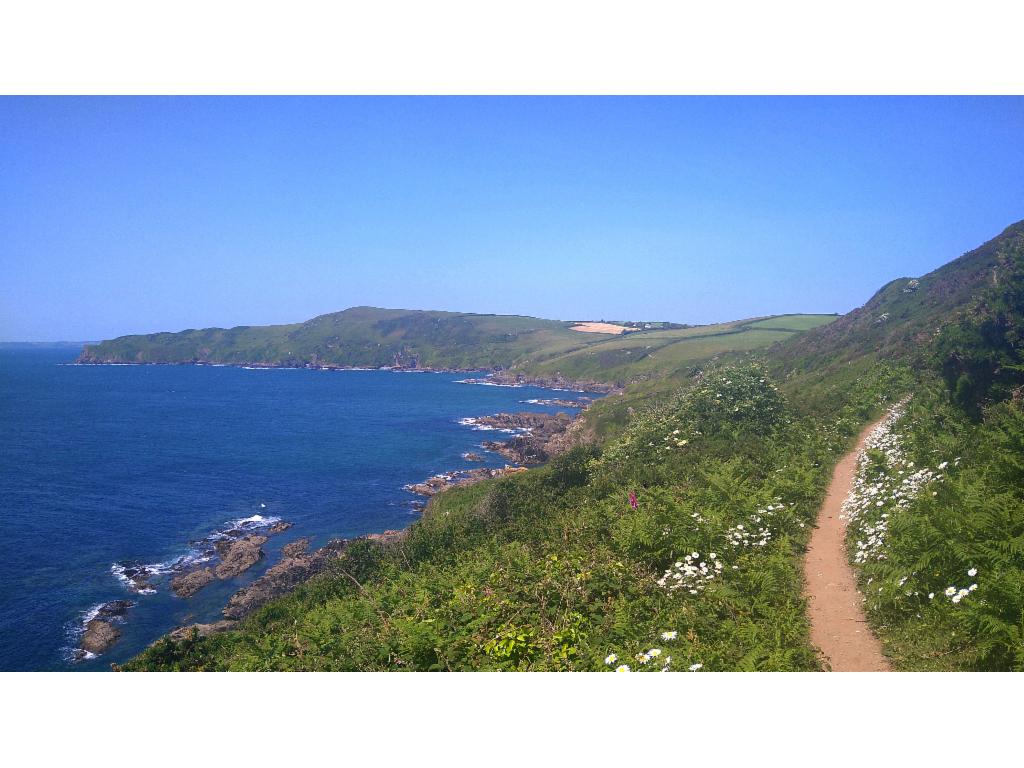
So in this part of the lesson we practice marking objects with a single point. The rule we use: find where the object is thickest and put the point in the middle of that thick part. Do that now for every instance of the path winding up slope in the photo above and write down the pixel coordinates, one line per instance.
(838, 625)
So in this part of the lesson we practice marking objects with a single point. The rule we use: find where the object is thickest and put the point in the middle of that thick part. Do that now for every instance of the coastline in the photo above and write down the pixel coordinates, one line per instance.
(295, 566)
(498, 377)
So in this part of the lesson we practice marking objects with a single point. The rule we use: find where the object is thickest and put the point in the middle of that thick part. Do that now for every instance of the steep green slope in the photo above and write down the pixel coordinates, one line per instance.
(361, 336)
(372, 337)
(902, 319)
(556, 569)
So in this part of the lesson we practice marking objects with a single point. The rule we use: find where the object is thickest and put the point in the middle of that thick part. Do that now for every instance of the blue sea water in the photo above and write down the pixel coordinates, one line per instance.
(101, 465)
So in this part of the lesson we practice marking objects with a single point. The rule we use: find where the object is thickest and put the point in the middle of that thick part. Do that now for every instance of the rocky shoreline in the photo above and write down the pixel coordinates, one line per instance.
(536, 437)
(491, 376)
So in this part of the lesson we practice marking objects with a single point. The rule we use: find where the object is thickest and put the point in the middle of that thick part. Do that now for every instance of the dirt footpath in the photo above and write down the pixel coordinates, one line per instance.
(838, 625)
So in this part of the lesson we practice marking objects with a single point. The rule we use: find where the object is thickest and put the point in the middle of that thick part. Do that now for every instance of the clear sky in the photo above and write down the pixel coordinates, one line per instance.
(123, 215)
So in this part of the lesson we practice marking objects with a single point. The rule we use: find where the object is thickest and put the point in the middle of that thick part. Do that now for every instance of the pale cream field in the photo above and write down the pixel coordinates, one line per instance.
(598, 328)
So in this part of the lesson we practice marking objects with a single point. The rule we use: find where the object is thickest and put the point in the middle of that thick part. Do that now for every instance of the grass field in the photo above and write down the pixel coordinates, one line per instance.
(622, 359)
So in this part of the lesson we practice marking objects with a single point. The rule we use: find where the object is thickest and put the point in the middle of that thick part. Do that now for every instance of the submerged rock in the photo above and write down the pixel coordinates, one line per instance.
(279, 527)
(115, 609)
(136, 577)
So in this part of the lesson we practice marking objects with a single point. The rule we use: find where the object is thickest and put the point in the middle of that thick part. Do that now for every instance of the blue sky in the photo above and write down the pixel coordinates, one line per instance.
(123, 215)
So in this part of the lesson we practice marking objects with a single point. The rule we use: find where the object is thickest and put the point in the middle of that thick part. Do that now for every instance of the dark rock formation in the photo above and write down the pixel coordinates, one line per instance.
(470, 456)
(279, 527)
(282, 578)
(532, 447)
(99, 635)
(201, 630)
(238, 556)
(387, 537)
(138, 577)
(438, 483)
(552, 382)
(295, 548)
(115, 609)
(558, 402)
(187, 584)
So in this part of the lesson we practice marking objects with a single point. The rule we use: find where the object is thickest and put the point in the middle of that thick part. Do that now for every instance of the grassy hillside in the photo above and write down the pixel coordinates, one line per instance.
(361, 336)
(367, 336)
(557, 568)
(658, 354)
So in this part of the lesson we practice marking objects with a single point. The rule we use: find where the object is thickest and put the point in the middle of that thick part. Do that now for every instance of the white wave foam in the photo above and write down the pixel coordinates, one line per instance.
(202, 551)
(485, 383)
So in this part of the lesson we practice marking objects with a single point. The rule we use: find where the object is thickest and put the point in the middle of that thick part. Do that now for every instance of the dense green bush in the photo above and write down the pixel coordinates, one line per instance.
(981, 355)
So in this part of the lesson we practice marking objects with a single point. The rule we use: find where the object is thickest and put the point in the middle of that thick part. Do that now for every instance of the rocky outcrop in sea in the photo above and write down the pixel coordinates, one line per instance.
(282, 578)
(99, 628)
(534, 443)
(446, 480)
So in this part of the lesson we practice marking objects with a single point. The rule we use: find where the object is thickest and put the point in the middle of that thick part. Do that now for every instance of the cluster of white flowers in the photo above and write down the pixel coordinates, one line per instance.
(673, 439)
(756, 532)
(873, 500)
(956, 595)
(691, 573)
(655, 655)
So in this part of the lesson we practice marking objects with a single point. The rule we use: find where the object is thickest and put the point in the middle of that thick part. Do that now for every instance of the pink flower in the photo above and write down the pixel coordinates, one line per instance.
(632, 500)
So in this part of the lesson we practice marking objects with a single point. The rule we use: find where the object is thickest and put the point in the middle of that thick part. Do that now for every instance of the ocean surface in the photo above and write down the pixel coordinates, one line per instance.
(102, 467)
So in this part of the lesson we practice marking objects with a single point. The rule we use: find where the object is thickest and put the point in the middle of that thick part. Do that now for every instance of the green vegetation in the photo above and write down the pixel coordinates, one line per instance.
(552, 569)
(361, 336)
(366, 336)
(562, 568)
(665, 353)
(945, 581)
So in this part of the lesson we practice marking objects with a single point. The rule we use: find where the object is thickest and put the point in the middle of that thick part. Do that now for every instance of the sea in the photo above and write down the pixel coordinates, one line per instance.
(106, 468)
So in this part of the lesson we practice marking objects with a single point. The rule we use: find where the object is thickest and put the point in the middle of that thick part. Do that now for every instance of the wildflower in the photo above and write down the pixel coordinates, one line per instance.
(957, 598)
(972, 572)
(643, 658)
(950, 591)
(611, 659)
(931, 595)
(972, 587)
(654, 653)
(622, 668)
(669, 635)
(695, 667)
(633, 501)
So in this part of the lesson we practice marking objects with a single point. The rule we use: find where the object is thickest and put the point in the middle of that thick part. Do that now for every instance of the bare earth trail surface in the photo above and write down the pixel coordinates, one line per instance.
(838, 625)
